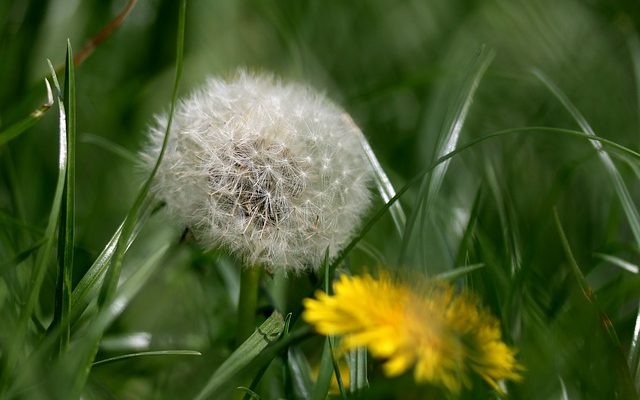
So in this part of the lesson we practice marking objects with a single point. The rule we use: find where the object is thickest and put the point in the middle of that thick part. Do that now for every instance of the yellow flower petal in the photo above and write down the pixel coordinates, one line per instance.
(445, 337)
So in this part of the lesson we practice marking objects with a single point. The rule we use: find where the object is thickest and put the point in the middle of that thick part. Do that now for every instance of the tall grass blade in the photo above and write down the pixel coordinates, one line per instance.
(110, 282)
(265, 335)
(21, 126)
(42, 260)
(67, 213)
(618, 183)
(620, 187)
(447, 143)
(325, 373)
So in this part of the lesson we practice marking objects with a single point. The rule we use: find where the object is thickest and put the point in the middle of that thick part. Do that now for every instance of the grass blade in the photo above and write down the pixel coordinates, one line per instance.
(459, 272)
(89, 286)
(618, 183)
(110, 282)
(81, 355)
(323, 383)
(385, 188)
(620, 187)
(42, 260)
(21, 126)
(358, 370)
(447, 143)
(67, 213)
(300, 372)
(154, 353)
(417, 178)
(266, 334)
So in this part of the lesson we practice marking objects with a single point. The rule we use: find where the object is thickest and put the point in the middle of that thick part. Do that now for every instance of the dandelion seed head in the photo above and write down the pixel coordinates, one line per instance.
(271, 171)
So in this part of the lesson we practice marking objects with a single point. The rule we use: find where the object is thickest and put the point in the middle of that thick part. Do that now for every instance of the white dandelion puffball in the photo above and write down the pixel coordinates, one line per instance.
(274, 172)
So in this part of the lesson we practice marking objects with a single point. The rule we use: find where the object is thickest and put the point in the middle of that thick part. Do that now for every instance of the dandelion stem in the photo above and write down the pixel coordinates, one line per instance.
(247, 303)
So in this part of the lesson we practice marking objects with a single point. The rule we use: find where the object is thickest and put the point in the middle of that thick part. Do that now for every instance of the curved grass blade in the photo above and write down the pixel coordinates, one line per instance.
(417, 178)
(110, 282)
(619, 185)
(265, 335)
(147, 354)
(580, 278)
(21, 126)
(385, 188)
(448, 142)
(42, 260)
(66, 226)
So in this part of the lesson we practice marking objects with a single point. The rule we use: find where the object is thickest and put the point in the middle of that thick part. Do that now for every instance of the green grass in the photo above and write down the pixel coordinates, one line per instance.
(504, 140)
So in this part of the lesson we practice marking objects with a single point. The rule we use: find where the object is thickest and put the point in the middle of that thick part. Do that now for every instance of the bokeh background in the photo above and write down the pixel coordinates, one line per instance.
(400, 68)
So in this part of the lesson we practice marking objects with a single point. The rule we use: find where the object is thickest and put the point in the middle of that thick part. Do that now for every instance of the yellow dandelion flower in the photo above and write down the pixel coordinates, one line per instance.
(445, 336)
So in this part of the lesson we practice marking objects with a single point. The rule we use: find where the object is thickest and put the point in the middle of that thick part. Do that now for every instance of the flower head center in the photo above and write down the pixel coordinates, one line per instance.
(257, 180)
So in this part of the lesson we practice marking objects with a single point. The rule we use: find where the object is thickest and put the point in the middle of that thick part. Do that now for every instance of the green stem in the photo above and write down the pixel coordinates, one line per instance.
(247, 303)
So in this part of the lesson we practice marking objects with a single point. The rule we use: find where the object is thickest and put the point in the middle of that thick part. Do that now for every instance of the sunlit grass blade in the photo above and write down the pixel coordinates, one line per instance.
(385, 188)
(618, 262)
(42, 260)
(265, 335)
(113, 273)
(154, 353)
(447, 142)
(110, 147)
(67, 213)
(21, 126)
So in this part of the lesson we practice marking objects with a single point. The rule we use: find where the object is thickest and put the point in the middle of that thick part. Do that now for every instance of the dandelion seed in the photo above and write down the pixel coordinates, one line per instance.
(444, 336)
(251, 165)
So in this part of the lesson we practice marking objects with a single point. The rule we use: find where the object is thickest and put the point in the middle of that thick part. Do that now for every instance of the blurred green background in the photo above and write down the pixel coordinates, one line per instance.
(400, 68)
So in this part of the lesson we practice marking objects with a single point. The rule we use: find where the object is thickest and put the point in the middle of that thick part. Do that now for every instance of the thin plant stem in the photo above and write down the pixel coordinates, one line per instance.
(247, 303)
